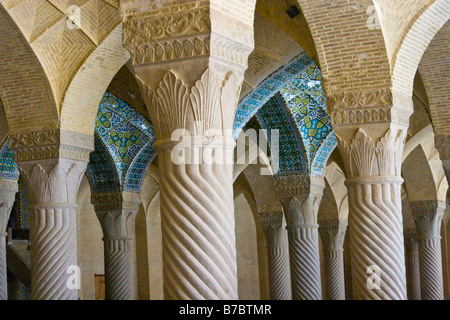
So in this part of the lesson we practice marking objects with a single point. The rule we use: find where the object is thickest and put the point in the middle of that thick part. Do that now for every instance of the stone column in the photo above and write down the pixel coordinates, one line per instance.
(332, 233)
(300, 197)
(117, 212)
(190, 73)
(8, 190)
(412, 264)
(371, 128)
(274, 227)
(52, 164)
(428, 216)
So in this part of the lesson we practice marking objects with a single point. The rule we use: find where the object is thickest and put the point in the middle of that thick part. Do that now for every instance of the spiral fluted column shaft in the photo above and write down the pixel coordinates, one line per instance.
(334, 274)
(53, 186)
(53, 251)
(412, 270)
(198, 233)
(8, 191)
(280, 285)
(305, 262)
(432, 284)
(274, 228)
(376, 237)
(332, 232)
(118, 271)
(117, 212)
(3, 268)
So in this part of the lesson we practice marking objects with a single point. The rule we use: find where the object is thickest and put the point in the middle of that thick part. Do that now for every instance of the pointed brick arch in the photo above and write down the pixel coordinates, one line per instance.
(24, 89)
(415, 43)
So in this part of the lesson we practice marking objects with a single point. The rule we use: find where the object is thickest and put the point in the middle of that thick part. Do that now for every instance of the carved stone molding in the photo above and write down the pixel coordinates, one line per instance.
(376, 98)
(366, 158)
(267, 219)
(362, 115)
(298, 184)
(51, 144)
(111, 201)
(140, 30)
(191, 33)
(207, 107)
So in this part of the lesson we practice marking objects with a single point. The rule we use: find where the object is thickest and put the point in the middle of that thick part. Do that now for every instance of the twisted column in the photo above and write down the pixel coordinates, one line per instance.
(192, 99)
(8, 191)
(428, 216)
(274, 227)
(332, 233)
(301, 196)
(53, 186)
(117, 213)
(372, 155)
(412, 265)
(199, 246)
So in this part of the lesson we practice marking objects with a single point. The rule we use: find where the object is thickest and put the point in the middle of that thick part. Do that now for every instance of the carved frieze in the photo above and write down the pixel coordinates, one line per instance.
(298, 185)
(51, 144)
(187, 34)
(111, 201)
(353, 108)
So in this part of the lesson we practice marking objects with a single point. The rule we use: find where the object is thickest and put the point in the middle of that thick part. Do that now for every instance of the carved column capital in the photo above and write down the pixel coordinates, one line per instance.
(428, 217)
(8, 190)
(273, 226)
(410, 236)
(53, 181)
(50, 144)
(205, 108)
(300, 196)
(116, 212)
(332, 232)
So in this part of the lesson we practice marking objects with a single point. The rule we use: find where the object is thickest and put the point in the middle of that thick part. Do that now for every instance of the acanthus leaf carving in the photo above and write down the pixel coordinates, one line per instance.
(428, 216)
(59, 185)
(332, 232)
(364, 157)
(207, 107)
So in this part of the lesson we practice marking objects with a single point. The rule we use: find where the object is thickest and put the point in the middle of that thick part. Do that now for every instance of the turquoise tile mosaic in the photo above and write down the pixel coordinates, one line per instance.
(251, 103)
(298, 89)
(123, 147)
(8, 167)
(292, 159)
